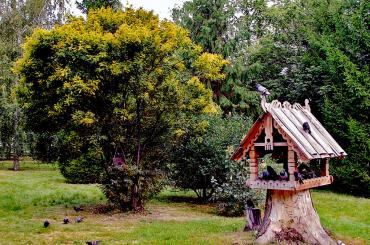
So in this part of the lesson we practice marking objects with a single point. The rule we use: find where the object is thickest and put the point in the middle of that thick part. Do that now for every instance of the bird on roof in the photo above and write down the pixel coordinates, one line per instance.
(93, 242)
(65, 220)
(306, 127)
(262, 90)
(46, 223)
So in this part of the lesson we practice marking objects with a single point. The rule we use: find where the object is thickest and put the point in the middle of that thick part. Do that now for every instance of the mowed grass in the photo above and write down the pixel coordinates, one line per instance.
(347, 217)
(38, 192)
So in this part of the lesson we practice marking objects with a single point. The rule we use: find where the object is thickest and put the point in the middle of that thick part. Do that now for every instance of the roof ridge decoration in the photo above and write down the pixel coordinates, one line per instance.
(307, 105)
(275, 104)
(287, 105)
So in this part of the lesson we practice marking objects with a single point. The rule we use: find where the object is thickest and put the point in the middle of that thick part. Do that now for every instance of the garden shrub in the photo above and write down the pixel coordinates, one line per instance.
(231, 196)
(84, 170)
(203, 157)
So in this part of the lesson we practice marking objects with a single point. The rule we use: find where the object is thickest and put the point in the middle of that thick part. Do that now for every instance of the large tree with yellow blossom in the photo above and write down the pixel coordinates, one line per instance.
(117, 82)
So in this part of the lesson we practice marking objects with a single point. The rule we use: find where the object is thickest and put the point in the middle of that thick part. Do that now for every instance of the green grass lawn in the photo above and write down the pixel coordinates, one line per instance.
(38, 192)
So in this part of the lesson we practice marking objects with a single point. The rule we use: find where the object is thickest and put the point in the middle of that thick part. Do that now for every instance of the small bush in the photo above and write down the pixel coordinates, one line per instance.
(118, 185)
(83, 170)
(232, 195)
(204, 155)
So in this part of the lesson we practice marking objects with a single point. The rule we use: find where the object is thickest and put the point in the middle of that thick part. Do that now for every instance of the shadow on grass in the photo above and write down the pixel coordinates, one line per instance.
(177, 199)
(186, 200)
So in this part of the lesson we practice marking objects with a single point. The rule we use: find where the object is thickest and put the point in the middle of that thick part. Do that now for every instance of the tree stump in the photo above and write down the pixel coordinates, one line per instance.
(254, 219)
(290, 215)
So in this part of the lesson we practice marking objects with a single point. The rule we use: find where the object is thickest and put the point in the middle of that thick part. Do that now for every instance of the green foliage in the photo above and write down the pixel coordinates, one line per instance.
(297, 49)
(17, 20)
(232, 195)
(319, 50)
(86, 5)
(118, 79)
(83, 170)
(203, 157)
(218, 27)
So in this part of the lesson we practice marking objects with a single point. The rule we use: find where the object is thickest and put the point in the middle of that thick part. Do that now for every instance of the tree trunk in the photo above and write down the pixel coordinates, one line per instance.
(136, 202)
(290, 216)
(16, 165)
(254, 219)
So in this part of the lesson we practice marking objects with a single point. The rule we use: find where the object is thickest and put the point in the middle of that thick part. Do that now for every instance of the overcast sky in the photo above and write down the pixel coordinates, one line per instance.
(160, 7)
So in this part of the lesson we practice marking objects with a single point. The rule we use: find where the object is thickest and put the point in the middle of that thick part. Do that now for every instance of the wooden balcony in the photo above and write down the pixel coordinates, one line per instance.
(289, 185)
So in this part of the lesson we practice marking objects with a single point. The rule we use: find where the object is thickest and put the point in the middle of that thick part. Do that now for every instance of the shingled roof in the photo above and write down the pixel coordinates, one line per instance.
(288, 119)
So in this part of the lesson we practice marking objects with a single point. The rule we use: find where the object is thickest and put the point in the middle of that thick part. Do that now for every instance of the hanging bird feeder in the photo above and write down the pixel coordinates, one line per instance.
(119, 157)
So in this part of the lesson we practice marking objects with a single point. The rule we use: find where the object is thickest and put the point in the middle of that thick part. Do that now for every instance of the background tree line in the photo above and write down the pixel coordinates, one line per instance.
(298, 49)
(18, 19)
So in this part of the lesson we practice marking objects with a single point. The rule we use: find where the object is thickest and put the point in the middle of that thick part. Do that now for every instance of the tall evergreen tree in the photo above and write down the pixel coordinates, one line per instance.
(218, 27)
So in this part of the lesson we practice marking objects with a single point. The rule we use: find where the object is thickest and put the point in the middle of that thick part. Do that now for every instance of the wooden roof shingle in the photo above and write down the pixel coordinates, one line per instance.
(289, 119)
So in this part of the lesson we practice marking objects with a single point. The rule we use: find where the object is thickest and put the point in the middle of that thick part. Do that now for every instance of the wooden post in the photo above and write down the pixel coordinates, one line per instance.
(324, 167)
(291, 164)
(253, 163)
(269, 141)
(254, 219)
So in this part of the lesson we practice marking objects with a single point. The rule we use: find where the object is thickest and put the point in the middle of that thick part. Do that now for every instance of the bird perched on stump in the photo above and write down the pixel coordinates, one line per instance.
(306, 127)
(79, 219)
(93, 242)
(78, 209)
(262, 90)
(46, 223)
(65, 220)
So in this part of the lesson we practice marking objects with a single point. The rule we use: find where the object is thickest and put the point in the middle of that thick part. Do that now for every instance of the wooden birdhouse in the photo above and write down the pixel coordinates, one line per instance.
(293, 135)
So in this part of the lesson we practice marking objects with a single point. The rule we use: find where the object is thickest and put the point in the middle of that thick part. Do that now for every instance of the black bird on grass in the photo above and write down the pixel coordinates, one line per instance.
(306, 127)
(65, 220)
(46, 223)
(273, 175)
(78, 209)
(298, 177)
(79, 219)
(93, 242)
